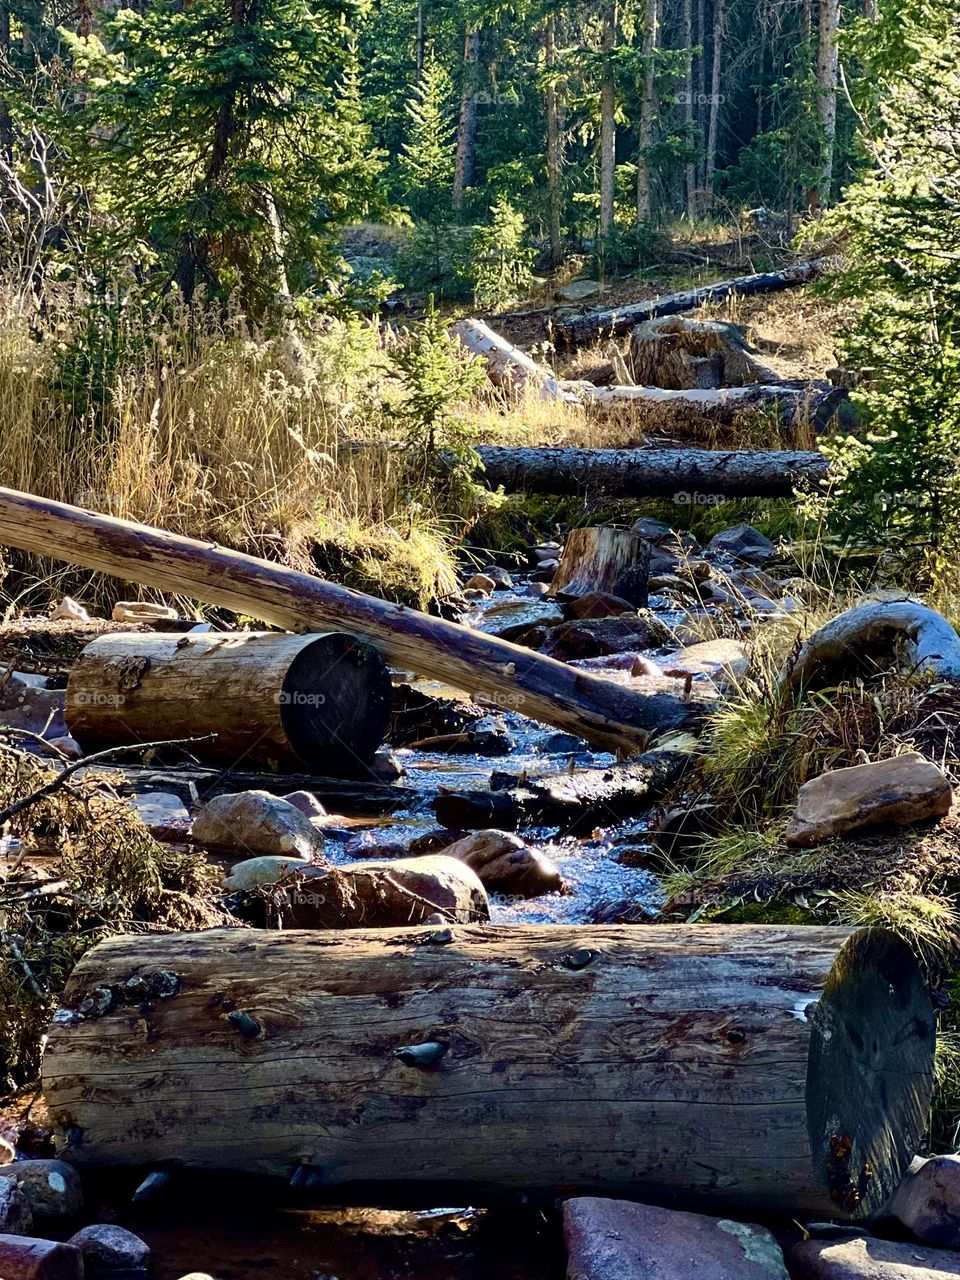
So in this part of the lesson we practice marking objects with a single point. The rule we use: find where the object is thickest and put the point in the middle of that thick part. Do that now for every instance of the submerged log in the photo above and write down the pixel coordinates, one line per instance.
(687, 475)
(315, 702)
(773, 1069)
(578, 330)
(577, 801)
(539, 687)
(601, 558)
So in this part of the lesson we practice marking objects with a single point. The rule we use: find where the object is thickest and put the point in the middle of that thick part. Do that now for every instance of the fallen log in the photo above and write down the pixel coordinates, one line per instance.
(508, 367)
(539, 687)
(792, 403)
(871, 633)
(601, 558)
(773, 1069)
(314, 702)
(686, 475)
(573, 802)
(579, 330)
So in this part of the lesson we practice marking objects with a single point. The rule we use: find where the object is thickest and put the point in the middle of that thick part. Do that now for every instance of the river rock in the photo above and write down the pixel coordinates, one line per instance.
(26, 704)
(500, 578)
(379, 895)
(8, 1147)
(619, 1240)
(480, 582)
(307, 803)
(719, 660)
(16, 1217)
(596, 637)
(28, 1258)
(50, 1187)
(743, 542)
(927, 1202)
(869, 1259)
(897, 792)
(256, 871)
(163, 813)
(255, 822)
(505, 865)
(107, 1249)
(598, 604)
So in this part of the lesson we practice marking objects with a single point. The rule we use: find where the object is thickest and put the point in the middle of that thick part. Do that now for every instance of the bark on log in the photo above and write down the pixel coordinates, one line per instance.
(871, 632)
(600, 558)
(571, 801)
(314, 702)
(539, 687)
(774, 1069)
(687, 475)
(677, 352)
(579, 330)
(794, 403)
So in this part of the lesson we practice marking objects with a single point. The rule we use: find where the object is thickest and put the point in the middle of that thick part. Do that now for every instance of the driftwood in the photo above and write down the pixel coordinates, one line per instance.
(677, 352)
(539, 687)
(315, 702)
(576, 801)
(871, 633)
(579, 330)
(782, 1070)
(600, 558)
(688, 475)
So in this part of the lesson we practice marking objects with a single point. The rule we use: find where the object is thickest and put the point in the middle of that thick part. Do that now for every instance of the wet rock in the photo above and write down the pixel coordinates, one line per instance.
(307, 803)
(598, 604)
(927, 1202)
(536, 589)
(722, 660)
(510, 620)
(896, 792)
(256, 822)
(505, 865)
(480, 582)
(546, 551)
(472, 595)
(546, 571)
(107, 1249)
(869, 1259)
(743, 542)
(256, 871)
(500, 578)
(28, 1258)
(50, 1187)
(835, 1231)
(16, 1216)
(67, 746)
(619, 1240)
(380, 895)
(384, 767)
(596, 637)
(162, 812)
(662, 535)
(24, 704)
(626, 911)
(436, 840)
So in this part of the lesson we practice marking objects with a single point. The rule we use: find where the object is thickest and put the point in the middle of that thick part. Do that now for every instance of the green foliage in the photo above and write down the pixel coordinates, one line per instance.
(427, 157)
(501, 260)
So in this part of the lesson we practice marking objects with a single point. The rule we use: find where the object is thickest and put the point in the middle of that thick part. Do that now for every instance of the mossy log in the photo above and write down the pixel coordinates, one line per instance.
(757, 1067)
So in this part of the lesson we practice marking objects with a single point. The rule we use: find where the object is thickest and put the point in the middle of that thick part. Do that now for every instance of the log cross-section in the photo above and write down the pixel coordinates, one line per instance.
(765, 1068)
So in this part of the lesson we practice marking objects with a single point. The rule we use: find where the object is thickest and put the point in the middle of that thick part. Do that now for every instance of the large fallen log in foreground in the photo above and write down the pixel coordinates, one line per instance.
(773, 1069)
(686, 475)
(599, 710)
(579, 330)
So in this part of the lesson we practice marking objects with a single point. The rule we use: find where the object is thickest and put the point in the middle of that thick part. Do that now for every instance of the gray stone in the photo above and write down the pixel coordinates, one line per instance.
(255, 822)
(107, 1248)
(505, 865)
(577, 290)
(162, 812)
(307, 803)
(869, 1259)
(29, 1258)
(24, 704)
(619, 1240)
(897, 792)
(500, 578)
(927, 1202)
(50, 1187)
(596, 637)
(744, 542)
(16, 1216)
(257, 871)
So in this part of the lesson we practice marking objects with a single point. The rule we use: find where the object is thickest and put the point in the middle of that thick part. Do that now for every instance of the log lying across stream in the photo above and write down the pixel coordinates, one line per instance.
(686, 475)
(578, 330)
(757, 1067)
(542, 688)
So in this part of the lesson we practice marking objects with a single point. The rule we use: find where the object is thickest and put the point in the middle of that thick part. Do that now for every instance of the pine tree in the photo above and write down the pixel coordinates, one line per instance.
(426, 161)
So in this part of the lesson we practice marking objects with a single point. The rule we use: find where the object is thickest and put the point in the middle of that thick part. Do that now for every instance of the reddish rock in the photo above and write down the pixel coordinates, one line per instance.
(505, 865)
(594, 637)
(869, 1259)
(598, 604)
(618, 1240)
(25, 1258)
(927, 1202)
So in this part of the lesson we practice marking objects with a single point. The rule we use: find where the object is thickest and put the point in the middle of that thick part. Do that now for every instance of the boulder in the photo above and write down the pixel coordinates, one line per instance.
(25, 704)
(108, 1249)
(927, 1202)
(743, 542)
(504, 864)
(869, 1259)
(16, 1217)
(896, 792)
(255, 822)
(598, 604)
(50, 1187)
(718, 660)
(619, 1240)
(576, 290)
(307, 803)
(596, 637)
(244, 876)
(27, 1258)
(480, 582)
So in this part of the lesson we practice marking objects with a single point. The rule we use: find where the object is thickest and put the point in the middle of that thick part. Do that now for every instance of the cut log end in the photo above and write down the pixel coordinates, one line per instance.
(870, 1071)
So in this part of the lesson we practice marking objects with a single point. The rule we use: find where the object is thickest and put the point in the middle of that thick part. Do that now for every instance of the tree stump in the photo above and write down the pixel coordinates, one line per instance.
(601, 558)
(680, 354)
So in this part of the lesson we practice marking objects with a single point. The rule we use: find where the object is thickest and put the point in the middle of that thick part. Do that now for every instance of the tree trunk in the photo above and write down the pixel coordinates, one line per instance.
(601, 558)
(768, 1069)
(553, 143)
(701, 88)
(715, 95)
(539, 687)
(827, 67)
(579, 330)
(314, 702)
(575, 802)
(464, 171)
(508, 367)
(678, 353)
(796, 404)
(689, 476)
(608, 128)
(690, 169)
(648, 108)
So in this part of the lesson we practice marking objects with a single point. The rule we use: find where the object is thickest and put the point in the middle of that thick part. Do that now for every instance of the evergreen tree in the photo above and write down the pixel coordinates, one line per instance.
(427, 159)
